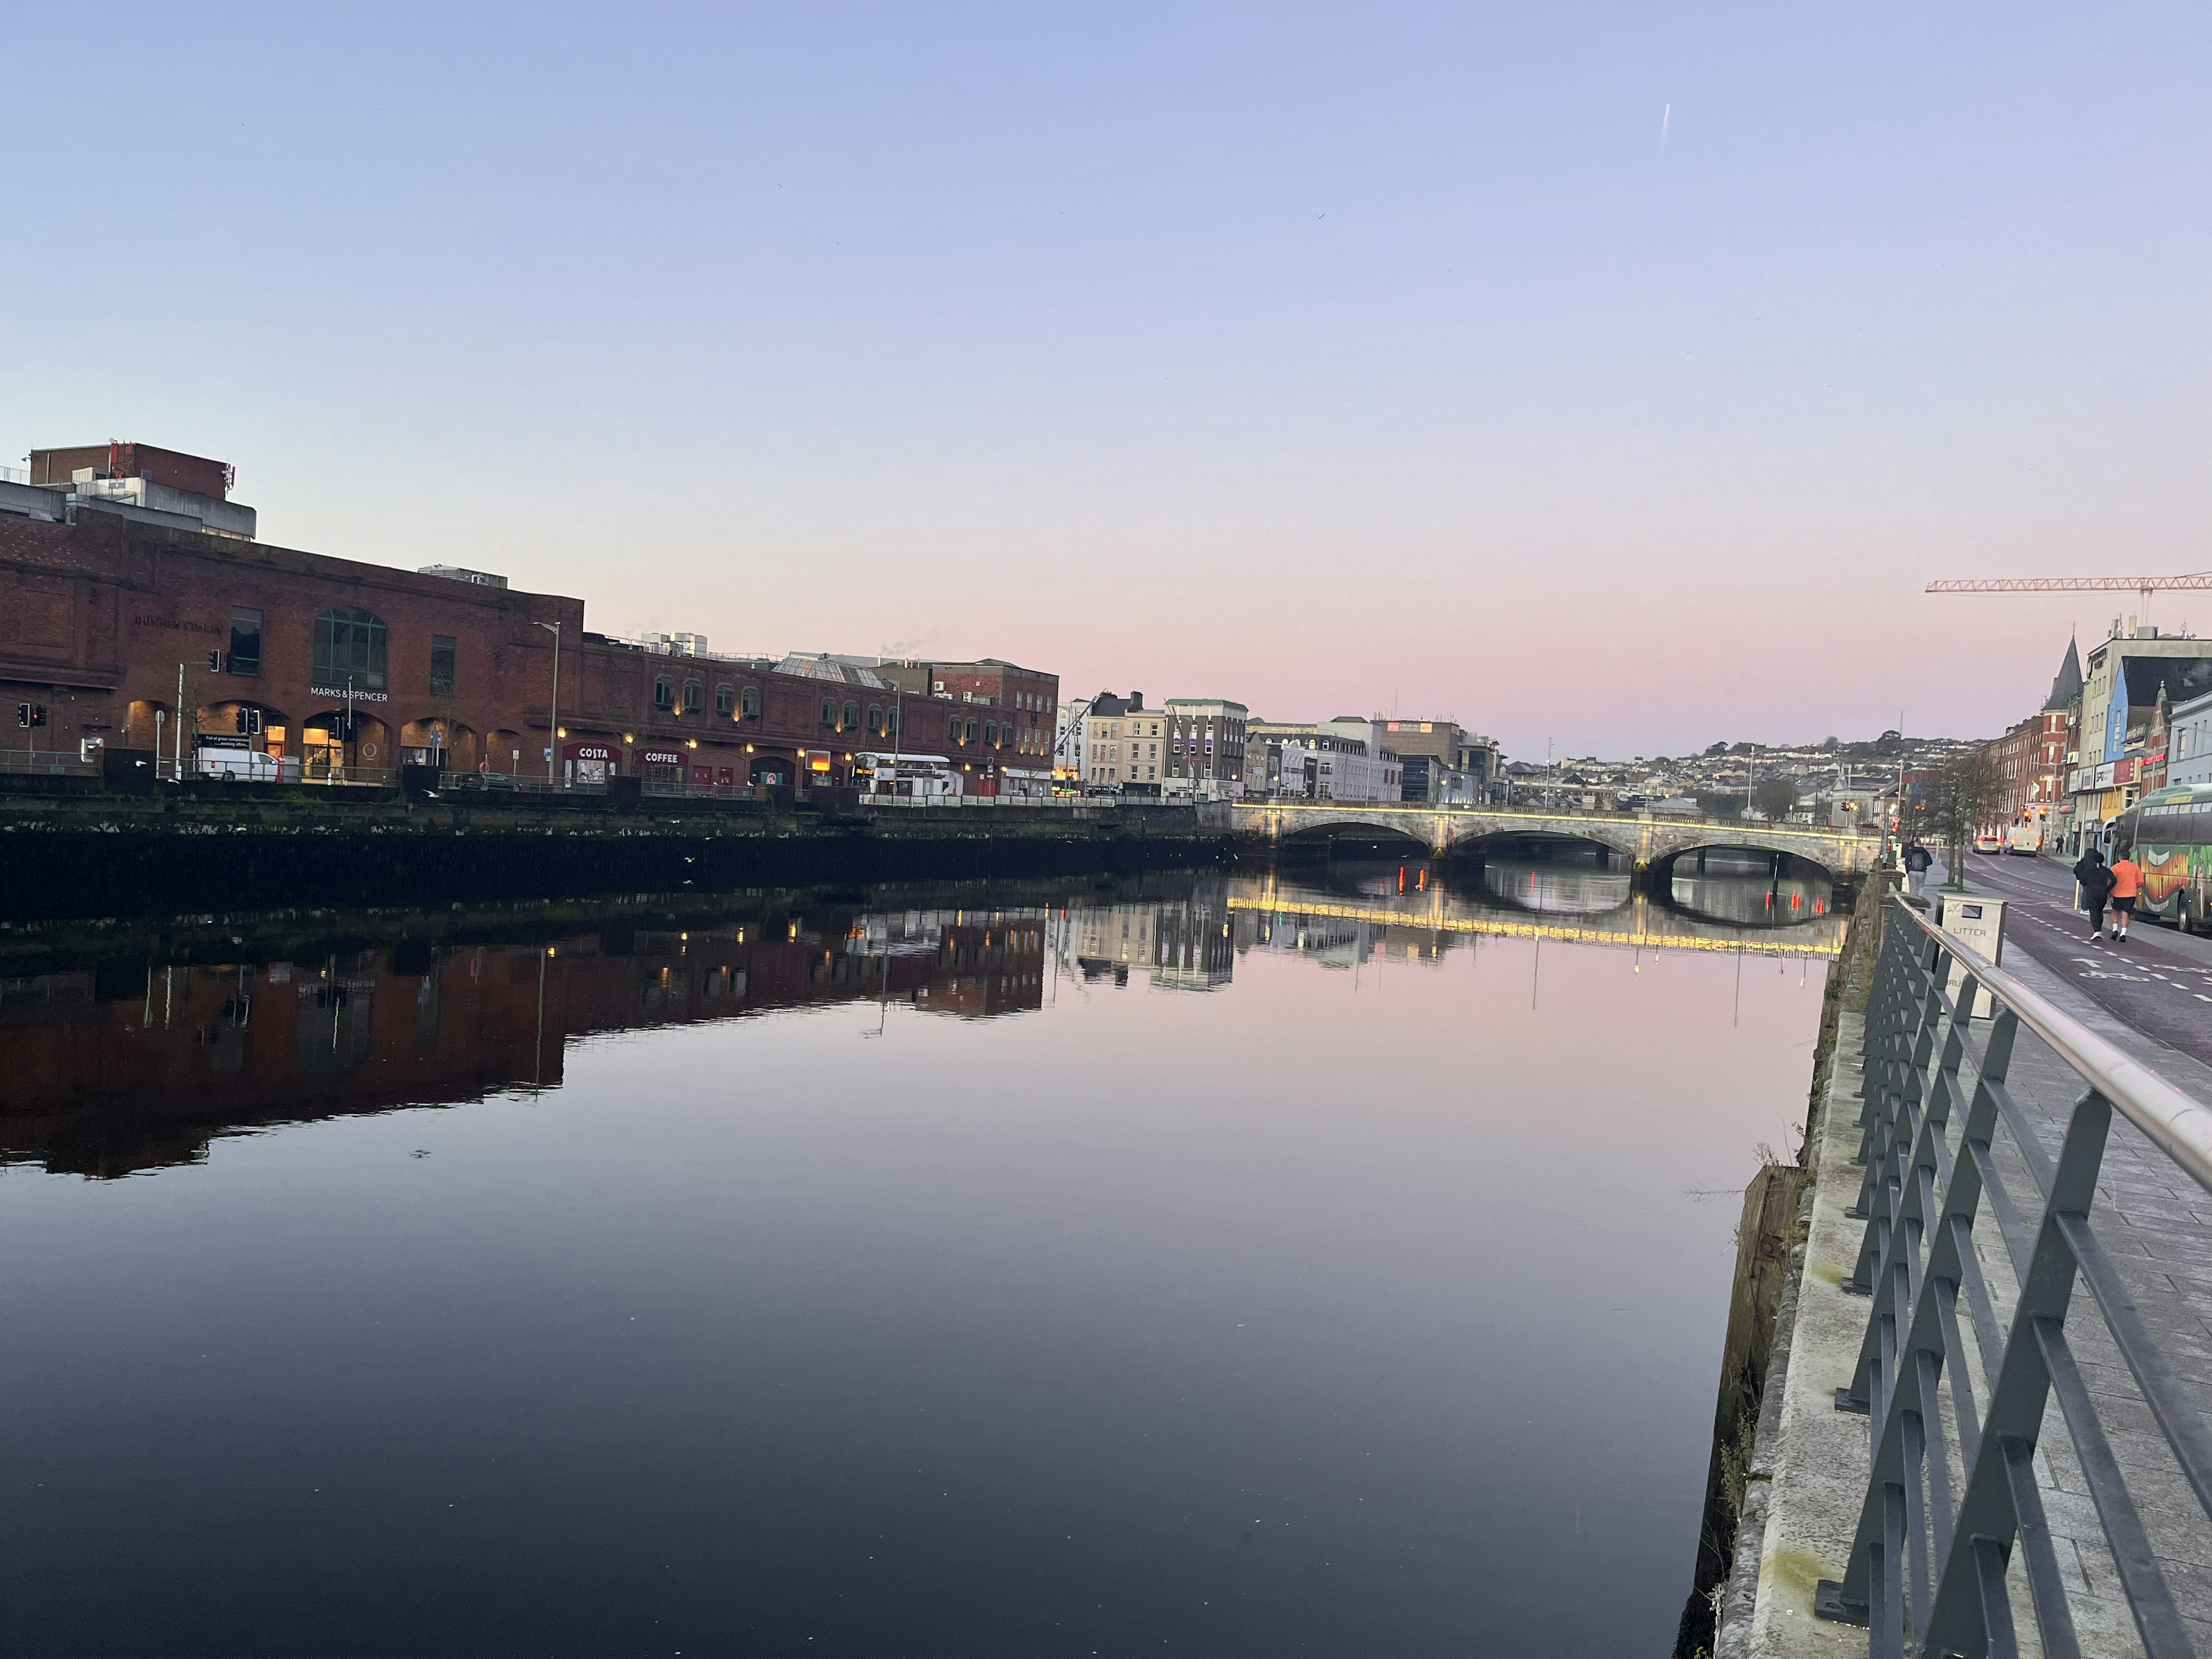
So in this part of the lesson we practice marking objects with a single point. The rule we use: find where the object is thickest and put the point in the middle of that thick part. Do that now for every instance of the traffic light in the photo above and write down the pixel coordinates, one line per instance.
(215, 662)
(22, 713)
(248, 721)
(38, 714)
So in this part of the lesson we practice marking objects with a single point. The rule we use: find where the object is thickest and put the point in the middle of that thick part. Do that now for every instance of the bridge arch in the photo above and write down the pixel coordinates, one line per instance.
(1843, 856)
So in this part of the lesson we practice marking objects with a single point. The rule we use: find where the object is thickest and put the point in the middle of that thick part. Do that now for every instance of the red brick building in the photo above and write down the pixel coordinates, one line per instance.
(2030, 760)
(107, 607)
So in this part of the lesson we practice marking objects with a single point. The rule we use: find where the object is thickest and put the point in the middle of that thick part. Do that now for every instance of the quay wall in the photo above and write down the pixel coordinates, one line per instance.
(208, 845)
(1762, 1298)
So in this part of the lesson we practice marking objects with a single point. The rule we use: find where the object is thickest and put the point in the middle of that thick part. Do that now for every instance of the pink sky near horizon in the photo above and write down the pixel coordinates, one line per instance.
(1395, 363)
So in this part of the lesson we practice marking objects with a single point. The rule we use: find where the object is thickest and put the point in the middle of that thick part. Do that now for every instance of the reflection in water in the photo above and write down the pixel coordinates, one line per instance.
(794, 1273)
(1755, 901)
(1557, 889)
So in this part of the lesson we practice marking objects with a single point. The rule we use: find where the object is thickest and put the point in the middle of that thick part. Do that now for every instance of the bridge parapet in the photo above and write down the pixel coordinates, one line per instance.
(1645, 839)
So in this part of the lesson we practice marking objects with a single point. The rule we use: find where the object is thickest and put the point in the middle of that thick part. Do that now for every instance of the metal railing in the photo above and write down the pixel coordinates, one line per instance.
(58, 762)
(1927, 1569)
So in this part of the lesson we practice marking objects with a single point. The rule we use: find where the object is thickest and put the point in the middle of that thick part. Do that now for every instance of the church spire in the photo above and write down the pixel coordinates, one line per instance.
(2068, 685)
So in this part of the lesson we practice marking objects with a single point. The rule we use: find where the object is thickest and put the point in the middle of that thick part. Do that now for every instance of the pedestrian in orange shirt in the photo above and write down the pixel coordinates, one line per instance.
(2127, 882)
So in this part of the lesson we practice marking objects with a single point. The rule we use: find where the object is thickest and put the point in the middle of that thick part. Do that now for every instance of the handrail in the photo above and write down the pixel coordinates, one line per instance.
(1933, 1549)
(2179, 1126)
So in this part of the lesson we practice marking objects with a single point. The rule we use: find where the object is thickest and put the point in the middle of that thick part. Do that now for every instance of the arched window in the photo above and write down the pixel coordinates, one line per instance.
(663, 694)
(726, 700)
(748, 703)
(971, 731)
(990, 733)
(350, 647)
(955, 738)
(852, 717)
(694, 696)
(891, 722)
(875, 720)
(830, 714)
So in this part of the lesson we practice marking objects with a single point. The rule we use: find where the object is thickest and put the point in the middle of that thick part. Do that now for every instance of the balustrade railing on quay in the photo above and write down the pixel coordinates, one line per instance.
(54, 762)
(1963, 1198)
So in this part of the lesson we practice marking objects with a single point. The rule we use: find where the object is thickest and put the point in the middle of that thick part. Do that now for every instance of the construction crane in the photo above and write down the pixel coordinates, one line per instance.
(2146, 585)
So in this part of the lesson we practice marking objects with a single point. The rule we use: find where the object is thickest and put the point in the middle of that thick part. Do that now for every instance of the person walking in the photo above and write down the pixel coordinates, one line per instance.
(2127, 884)
(2095, 882)
(1916, 860)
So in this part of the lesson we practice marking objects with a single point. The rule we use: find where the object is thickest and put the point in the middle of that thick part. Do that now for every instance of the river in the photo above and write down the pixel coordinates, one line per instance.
(1334, 1264)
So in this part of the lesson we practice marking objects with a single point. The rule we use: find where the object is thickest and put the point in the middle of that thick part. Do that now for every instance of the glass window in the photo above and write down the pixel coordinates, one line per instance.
(444, 650)
(875, 720)
(830, 714)
(971, 732)
(245, 640)
(350, 647)
(663, 694)
(991, 731)
(852, 722)
(726, 700)
(749, 702)
(694, 696)
(955, 735)
(891, 722)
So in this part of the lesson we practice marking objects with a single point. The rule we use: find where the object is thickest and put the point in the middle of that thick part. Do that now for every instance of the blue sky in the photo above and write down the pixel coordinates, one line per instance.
(1336, 360)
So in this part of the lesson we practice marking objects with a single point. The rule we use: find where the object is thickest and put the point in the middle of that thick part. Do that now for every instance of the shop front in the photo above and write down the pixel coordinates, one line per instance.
(590, 762)
(663, 764)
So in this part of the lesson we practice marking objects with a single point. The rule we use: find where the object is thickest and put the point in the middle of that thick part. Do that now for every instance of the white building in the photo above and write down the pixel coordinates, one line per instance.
(1068, 738)
(2189, 741)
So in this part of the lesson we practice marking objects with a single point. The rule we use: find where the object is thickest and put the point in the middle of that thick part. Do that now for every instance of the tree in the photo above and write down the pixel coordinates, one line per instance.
(1718, 749)
(1957, 802)
(1774, 797)
(1720, 802)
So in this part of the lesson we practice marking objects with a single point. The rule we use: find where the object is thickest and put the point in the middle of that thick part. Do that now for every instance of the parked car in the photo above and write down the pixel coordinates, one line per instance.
(483, 782)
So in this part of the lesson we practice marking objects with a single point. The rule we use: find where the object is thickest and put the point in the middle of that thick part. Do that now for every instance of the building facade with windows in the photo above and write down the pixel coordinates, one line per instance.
(1124, 744)
(1317, 762)
(1205, 747)
(1020, 721)
(114, 615)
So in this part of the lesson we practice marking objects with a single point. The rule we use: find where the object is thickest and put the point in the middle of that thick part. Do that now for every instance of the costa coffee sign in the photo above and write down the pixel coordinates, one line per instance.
(661, 756)
(594, 751)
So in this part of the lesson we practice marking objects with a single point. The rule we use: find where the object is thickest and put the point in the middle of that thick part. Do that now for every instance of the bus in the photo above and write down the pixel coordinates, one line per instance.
(927, 776)
(2169, 833)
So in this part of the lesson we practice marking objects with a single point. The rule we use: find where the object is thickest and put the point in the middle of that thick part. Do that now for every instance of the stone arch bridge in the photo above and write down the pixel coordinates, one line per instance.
(1642, 839)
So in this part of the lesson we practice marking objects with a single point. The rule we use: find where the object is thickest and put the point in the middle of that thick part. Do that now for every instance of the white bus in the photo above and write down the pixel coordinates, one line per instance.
(927, 776)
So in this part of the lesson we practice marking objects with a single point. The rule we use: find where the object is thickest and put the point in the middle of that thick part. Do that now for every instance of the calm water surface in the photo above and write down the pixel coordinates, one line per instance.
(1222, 1266)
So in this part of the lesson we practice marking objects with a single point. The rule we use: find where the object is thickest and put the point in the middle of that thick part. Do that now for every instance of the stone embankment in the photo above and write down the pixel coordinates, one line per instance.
(1771, 1247)
(217, 844)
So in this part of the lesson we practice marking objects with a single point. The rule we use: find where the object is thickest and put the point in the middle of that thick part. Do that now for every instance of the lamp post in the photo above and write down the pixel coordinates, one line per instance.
(553, 717)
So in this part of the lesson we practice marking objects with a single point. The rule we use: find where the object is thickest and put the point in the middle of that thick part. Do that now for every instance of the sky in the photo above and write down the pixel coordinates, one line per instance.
(1612, 377)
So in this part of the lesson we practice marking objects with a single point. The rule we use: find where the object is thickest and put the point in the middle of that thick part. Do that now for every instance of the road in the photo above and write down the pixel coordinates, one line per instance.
(2160, 982)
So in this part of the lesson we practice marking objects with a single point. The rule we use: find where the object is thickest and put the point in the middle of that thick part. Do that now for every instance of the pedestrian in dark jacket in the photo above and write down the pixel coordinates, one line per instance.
(1916, 860)
(2096, 883)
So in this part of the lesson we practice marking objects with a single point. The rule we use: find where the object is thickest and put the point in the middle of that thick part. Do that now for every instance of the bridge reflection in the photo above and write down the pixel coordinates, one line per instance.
(1576, 905)
(140, 1054)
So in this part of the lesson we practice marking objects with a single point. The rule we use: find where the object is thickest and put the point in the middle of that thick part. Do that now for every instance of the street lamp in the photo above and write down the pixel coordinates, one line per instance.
(553, 717)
